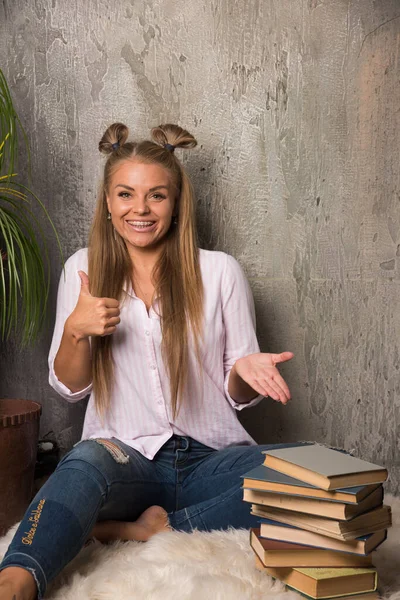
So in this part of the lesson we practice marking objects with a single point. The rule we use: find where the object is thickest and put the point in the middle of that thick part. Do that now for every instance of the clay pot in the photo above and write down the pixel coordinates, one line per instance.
(19, 433)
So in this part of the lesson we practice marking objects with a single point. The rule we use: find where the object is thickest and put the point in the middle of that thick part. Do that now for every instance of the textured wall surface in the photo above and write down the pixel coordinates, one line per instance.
(295, 104)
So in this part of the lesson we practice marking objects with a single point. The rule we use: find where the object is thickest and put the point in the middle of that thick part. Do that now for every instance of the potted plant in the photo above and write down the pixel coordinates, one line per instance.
(24, 290)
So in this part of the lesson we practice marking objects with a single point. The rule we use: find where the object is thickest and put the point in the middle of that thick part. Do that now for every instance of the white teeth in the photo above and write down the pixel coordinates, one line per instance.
(141, 223)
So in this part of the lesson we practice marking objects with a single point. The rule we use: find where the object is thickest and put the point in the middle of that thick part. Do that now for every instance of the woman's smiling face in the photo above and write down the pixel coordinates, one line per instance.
(141, 201)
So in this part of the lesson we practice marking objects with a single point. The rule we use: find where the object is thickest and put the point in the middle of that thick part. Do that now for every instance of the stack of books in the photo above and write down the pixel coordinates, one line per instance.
(321, 516)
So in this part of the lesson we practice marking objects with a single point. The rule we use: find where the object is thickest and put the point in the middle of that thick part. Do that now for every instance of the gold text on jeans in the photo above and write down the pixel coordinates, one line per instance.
(34, 520)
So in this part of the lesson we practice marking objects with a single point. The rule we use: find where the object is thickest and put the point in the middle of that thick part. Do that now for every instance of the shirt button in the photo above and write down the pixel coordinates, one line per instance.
(159, 401)
(153, 367)
(147, 332)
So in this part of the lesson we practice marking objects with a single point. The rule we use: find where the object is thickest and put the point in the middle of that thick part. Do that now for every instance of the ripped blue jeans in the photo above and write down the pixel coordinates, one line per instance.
(99, 480)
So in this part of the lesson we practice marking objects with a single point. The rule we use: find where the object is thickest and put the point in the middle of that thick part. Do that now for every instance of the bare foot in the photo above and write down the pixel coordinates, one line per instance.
(17, 584)
(153, 520)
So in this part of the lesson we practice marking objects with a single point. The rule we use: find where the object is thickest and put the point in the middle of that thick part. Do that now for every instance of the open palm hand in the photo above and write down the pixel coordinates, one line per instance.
(259, 371)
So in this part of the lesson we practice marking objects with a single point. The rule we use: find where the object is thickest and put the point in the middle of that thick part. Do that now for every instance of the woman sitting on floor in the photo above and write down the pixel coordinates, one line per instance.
(162, 336)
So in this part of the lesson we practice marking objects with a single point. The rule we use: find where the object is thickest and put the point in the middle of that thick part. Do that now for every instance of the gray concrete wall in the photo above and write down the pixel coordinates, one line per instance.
(296, 108)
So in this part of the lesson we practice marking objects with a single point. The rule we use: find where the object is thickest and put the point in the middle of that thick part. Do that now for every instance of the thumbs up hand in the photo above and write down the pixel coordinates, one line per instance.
(84, 283)
(93, 316)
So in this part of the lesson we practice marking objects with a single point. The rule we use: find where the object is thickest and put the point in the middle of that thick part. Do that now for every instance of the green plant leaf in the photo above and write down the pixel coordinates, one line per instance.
(25, 262)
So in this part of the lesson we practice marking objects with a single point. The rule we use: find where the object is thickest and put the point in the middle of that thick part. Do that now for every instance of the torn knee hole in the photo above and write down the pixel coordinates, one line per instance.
(112, 448)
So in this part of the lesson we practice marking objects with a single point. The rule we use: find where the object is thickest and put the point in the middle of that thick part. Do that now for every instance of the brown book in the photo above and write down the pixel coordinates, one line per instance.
(268, 480)
(323, 467)
(312, 506)
(359, 596)
(321, 583)
(374, 520)
(274, 553)
(362, 545)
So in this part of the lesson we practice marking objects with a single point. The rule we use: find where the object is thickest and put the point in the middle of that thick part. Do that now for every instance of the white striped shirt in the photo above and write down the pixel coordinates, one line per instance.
(140, 413)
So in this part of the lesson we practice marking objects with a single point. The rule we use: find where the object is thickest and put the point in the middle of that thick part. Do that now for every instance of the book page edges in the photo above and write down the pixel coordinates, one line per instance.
(317, 506)
(316, 540)
(298, 504)
(335, 531)
(292, 490)
(344, 537)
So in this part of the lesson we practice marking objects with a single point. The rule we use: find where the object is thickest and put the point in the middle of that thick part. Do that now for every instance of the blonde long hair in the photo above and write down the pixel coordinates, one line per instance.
(176, 275)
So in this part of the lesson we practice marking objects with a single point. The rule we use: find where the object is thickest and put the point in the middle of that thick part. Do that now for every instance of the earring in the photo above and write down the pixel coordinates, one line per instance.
(175, 221)
(109, 217)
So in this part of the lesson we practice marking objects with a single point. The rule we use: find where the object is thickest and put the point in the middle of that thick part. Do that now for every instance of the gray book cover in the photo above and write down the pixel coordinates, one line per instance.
(325, 461)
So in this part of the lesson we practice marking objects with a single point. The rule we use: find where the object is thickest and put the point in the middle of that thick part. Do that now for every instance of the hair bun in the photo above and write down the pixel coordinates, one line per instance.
(117, 133)
(173, 135)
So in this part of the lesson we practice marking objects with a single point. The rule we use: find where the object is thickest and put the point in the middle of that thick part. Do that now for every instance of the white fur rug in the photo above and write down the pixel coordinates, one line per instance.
(196, 566)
